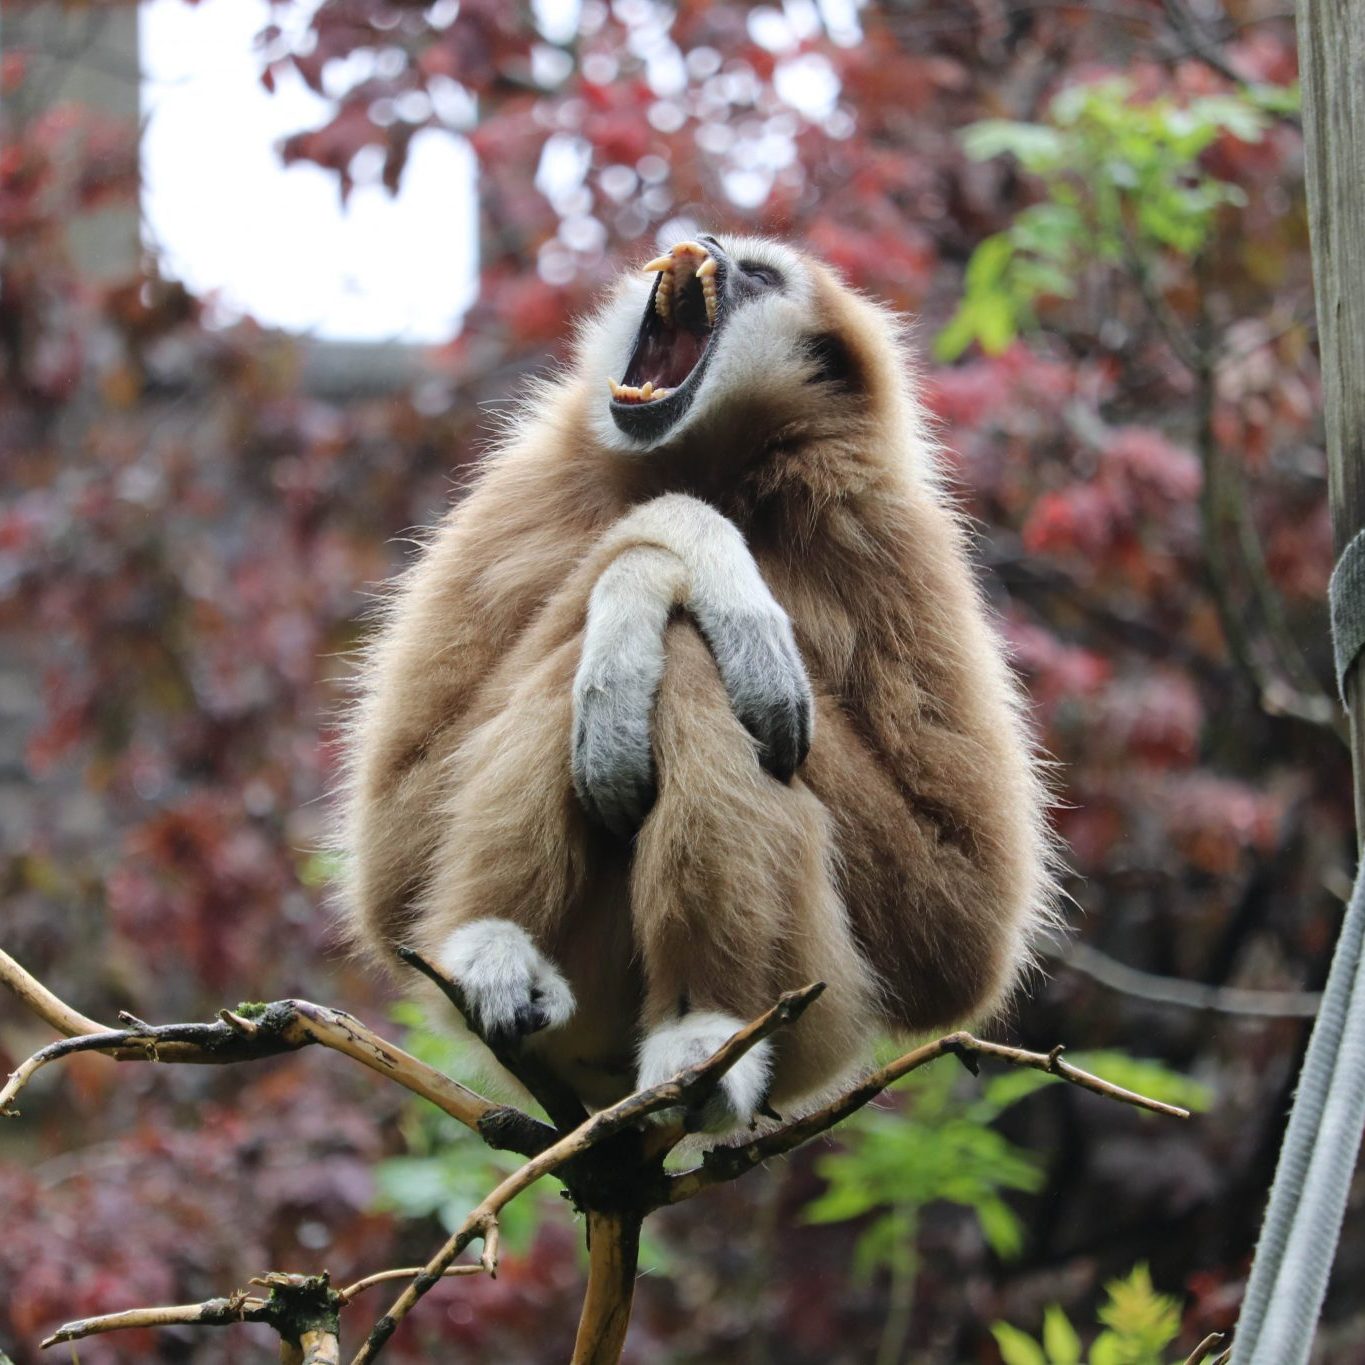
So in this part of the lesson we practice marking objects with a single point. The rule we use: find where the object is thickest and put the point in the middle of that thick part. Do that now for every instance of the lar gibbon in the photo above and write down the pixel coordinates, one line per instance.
(693, 698)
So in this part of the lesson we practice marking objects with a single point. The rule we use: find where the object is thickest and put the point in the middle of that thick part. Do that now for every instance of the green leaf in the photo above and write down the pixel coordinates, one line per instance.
(1060, 1341)
(989, 262)
(1107, 1350)
(1144, 1320)
(996, 323)
(958, 333)
(1004, 1233)
(1037, 147)
(1016, 1347)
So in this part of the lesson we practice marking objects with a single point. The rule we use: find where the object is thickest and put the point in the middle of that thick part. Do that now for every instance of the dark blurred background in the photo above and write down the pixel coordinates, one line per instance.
(267, 272)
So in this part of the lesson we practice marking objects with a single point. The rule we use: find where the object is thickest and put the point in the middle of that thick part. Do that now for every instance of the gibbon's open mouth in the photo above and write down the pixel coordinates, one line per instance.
(685, 311)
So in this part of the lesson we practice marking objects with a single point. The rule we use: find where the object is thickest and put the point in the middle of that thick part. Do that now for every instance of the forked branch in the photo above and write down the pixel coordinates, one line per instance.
(612, 1162)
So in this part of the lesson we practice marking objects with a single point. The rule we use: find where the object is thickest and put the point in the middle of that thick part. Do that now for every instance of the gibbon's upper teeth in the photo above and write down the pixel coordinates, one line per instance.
(705, 271)
(663, 297)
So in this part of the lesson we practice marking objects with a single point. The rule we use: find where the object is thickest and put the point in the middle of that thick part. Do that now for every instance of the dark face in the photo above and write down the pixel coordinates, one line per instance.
(697, 288)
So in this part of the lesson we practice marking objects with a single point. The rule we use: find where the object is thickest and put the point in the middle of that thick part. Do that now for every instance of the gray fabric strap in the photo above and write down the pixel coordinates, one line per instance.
(1347, 597)
(1303, 1220)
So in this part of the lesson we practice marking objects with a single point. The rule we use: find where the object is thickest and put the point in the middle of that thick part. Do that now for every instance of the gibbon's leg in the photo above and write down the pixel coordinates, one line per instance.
(517, 852)
(733, 901)
(930, 904)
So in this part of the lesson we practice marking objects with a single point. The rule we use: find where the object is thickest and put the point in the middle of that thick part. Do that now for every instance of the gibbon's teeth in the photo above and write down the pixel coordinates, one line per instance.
(666, 267)
(629, 393)
(708, 294)
(663, 297)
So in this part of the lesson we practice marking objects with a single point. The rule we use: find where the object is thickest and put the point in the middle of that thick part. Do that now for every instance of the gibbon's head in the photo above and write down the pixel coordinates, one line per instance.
(721, 337)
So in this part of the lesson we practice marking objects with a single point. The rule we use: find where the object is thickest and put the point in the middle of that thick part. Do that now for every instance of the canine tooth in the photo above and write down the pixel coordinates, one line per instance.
(647, 389)
(616, 389)
(659, 263)
(707, 268)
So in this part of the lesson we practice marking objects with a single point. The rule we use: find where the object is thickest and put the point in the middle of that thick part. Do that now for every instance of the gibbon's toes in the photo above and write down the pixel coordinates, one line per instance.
(761, 666)
(513, 990)
(692, 1039)
(612, 763)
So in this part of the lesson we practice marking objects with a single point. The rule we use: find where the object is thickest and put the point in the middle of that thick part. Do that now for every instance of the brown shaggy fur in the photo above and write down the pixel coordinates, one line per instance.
(907, 862)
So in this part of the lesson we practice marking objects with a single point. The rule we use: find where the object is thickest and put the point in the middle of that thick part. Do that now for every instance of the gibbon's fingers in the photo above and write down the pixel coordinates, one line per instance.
(618, 676)
(512, 988)
(766, 681)
(749, 633)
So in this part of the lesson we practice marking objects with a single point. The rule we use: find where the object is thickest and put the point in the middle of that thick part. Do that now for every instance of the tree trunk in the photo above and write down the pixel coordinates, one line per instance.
(613, 1250)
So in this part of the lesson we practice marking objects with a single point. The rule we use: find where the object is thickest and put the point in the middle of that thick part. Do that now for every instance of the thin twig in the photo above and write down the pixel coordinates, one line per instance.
(67, 1021)
(402, 1273)
(212, 1313)
(727, 1163)
(280, 1027)
(1197, 1356)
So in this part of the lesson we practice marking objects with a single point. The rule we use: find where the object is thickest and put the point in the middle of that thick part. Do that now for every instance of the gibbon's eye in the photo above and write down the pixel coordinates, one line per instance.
(761, 274)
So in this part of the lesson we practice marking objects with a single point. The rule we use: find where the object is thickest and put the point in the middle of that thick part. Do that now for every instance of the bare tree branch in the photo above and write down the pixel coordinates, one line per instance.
(726, 1163)
(611, 1162)
(687, 1090)
(280, 1027)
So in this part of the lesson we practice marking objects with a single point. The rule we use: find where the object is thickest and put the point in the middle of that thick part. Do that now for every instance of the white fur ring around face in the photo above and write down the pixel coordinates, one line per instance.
(511, 987)
(692, 1039)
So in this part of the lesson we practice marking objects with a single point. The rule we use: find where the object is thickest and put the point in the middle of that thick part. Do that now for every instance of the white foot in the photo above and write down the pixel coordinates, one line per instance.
(511, 987)
(692, 1039)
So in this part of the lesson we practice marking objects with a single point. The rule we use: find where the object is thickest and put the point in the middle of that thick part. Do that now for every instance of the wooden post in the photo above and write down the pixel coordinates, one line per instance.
(1332, 68)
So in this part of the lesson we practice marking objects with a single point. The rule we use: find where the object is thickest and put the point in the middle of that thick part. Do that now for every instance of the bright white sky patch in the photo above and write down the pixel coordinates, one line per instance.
(275, 243)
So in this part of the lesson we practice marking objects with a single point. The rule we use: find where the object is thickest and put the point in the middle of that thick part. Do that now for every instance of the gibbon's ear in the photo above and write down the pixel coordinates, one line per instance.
(835, 363)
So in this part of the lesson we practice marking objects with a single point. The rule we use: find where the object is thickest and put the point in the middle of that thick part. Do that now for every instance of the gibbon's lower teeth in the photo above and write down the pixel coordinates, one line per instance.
(629, 393)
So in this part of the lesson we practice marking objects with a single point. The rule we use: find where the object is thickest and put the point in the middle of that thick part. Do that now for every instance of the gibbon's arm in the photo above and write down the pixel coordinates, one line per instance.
(682, 552)
(487, 601)
(923, 761)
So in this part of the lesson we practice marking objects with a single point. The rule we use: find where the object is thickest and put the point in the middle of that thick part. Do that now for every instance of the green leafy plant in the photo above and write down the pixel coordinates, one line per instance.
(941, 1146)
(1121, 179)
(1138, 1326)
(444, 1174)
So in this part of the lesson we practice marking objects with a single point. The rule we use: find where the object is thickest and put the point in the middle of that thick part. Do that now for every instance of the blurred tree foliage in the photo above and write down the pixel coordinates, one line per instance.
(1113, 200)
